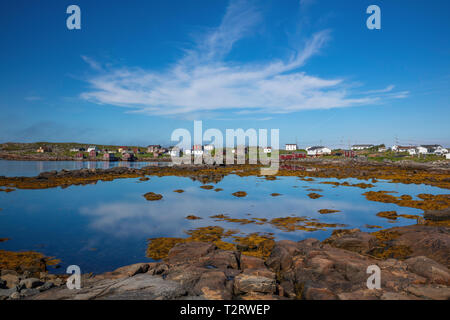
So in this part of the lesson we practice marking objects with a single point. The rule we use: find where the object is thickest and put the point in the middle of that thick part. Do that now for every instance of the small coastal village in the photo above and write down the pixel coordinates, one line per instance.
(259, 153)
(88, 152)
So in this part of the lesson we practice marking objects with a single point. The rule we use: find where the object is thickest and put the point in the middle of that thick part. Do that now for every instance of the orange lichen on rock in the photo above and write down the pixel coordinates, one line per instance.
(384, 249)
(255, 244)
(151, 196)
(428, 202)
(392, 215)
(192, 217)
(361, 185)
(243, 221)
(25, 260)
(207, 187)
(158, 248)
(314, 195)
(239, 194)
(326, 211)
(178, 191)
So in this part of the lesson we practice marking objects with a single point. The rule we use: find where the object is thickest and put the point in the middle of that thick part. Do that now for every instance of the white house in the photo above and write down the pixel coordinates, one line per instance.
(403, 148)
(208, 147)
(317, 150)
(197, 150)
(188, 151)
(421, 150)
(267, 150)
(291, 147)
(447, 156)
(92, 148)
(174, 152)
(432, 149)
(361, 146)
(382, 149)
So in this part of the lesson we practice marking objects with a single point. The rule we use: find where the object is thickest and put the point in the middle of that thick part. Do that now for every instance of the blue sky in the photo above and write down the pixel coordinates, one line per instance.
(137, 70)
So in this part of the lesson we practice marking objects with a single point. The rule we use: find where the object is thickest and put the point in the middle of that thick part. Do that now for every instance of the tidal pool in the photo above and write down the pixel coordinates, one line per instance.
(106, 225)
(12, 168)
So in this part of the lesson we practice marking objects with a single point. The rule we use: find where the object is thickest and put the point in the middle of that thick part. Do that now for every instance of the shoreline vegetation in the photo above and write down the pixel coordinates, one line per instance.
(59, 151)
(204, 265)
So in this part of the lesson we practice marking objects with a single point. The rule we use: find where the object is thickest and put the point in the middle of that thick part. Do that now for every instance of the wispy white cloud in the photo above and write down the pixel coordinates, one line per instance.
(202, 81)
(387, 89)
(92, 63)
(33, 98)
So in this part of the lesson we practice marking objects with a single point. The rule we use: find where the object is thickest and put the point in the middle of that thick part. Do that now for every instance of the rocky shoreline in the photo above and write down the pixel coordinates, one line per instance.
(414, 260)
(430, 174)
(415, 265)
(46, 157)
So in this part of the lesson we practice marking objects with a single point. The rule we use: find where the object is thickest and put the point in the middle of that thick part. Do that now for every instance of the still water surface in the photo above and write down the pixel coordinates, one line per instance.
(33, 168)
(106, 225)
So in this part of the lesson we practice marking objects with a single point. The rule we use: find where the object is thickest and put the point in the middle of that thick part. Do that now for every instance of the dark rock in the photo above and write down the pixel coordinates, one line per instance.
(189, 251)
(429, 269)
(352, 240)
(29, 292)
(247, 283)
(5, 293)
(31, 283)
(45, 286)
(249, 262)
(212, 285)
(437, 215)
(11, 279)
(319, 294)
(427, 292)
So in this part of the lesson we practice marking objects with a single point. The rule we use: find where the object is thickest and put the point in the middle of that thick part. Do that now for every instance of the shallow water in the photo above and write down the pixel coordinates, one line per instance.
(106, 225)
(33, 168)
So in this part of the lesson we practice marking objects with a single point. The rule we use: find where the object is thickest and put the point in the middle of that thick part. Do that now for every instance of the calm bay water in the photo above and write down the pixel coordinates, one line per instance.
(104, 226)
(33, 168)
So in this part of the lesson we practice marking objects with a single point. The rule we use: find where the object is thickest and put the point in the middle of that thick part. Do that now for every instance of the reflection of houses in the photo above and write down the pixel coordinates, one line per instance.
(361, 146)
(110, 157)
(291, 147)
(44, 149)
(317, 150)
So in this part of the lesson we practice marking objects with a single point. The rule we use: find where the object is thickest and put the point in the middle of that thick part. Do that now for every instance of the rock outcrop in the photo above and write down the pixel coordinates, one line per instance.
(308, 269)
